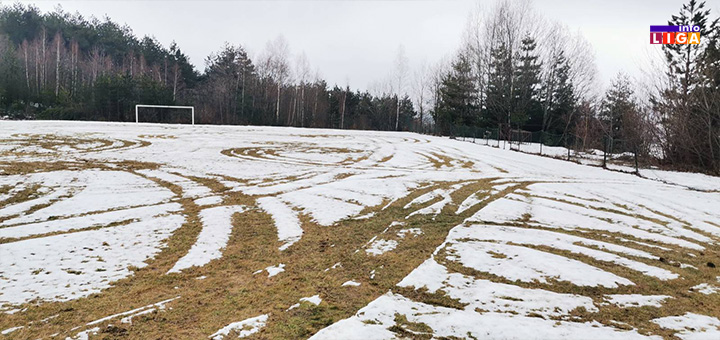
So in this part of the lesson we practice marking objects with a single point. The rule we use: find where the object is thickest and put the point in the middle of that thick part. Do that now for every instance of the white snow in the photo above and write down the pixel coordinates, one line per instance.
(350, 283)
(523, 236)
(409, 231)
(89, 221)
(315, 299)
(85, 335)
(706, 289)
(189, 187)
(373, 321)
(209, 200)
(636, 300)
(243, 328)
(691, 326)
(528, 265)
(379, 247)
(69, 266)
(435, 208)
(274, 270)
(586, 214)
(286, 220)
(128, 319)
(91, 191)
(134, 312)
(471, 201)
(10, 330)
(217, 226)
(491, 296)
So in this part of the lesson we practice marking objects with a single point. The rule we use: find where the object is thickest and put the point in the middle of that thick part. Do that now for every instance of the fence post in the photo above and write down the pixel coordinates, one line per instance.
(605, 152)
(637, 170)
(567, 146)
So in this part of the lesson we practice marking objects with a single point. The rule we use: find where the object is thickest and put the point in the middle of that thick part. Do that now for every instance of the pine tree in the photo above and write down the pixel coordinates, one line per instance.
(499, 99)
(558, 97)
(688, 106)
(527, 111)
(458, 98)
(683, 59)
(617, 106)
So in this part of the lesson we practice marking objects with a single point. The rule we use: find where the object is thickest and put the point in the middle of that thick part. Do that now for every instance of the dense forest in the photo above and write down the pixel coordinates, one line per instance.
(65, 66)
(515, 74)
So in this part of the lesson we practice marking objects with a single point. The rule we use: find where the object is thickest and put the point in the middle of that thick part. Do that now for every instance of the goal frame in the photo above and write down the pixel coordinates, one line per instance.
(192, 110)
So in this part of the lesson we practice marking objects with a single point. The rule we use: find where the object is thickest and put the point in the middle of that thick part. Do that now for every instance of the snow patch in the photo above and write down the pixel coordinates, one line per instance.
(636, 300)
(274, 270)
(315, 299)
(286, 220)
(244, 328)
(217, 226)
(705, 288)
(379, 247)
(691, 326)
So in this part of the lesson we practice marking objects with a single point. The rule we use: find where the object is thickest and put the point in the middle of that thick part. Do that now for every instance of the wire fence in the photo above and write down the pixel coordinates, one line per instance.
(602, 151)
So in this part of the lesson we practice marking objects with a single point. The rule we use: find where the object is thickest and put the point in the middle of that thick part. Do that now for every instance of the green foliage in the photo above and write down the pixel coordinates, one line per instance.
(618, 105)
(559, 97)
(689, 107)
(458, 97)
(527, 110)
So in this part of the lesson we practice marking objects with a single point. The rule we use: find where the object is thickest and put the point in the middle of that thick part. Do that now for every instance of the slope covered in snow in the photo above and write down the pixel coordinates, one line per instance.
(391, 235)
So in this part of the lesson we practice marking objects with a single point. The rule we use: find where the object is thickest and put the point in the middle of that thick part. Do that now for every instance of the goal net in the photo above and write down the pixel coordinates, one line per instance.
(164, 114)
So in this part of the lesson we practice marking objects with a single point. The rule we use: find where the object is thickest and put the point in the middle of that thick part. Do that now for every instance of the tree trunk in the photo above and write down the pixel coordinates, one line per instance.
(342, 111)
(302, 106)
(175, 80)
(27, 68)
(277, 106)
(397, 112)
(317, 91)
(57, 69)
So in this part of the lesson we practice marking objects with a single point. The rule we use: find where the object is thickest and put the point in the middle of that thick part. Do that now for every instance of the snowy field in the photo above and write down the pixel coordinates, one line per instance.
(215, 232)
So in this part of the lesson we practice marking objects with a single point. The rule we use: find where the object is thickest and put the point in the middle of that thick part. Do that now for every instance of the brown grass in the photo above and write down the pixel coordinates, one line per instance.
(231, 292)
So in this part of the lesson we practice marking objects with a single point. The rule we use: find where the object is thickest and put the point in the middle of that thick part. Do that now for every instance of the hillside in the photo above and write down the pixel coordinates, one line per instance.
(149, 231)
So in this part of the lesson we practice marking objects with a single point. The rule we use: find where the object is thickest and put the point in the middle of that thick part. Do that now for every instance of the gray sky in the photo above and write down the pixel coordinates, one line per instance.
(357, 41)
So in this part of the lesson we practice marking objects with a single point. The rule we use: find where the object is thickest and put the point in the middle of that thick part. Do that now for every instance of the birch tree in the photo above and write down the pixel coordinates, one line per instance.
(399, 80)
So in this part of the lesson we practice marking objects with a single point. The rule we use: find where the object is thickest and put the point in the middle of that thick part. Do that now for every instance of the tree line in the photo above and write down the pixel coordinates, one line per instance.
(514, 72)
(60, 65)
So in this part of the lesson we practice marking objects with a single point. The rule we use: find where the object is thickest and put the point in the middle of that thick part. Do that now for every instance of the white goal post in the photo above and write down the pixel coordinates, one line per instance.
(192, 110)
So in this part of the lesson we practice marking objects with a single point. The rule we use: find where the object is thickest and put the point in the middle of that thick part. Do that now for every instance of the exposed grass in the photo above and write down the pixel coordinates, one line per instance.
(53, 145)
(230, 291)
(410, 330)
(25, 194)
(161, 136)
(683, 299)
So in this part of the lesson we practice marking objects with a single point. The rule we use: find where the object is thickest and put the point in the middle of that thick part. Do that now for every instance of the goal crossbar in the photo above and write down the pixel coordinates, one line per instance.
(192, 110)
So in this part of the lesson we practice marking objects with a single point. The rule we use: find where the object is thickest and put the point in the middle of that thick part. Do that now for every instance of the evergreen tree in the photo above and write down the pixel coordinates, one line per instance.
(688, 107)
(617, 107)
(527, 111)
(559, 98)
(499, 99)
(458, 98)
(683, 59)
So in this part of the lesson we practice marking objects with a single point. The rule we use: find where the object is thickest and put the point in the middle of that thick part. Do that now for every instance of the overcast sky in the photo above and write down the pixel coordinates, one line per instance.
(356, 41)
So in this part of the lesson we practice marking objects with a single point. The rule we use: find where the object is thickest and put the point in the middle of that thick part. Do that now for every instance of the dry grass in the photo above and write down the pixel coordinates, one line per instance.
(231, 292)
(33, 145)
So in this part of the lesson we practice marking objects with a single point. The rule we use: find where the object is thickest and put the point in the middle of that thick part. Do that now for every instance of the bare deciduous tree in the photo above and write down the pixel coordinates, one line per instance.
(399, 79)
